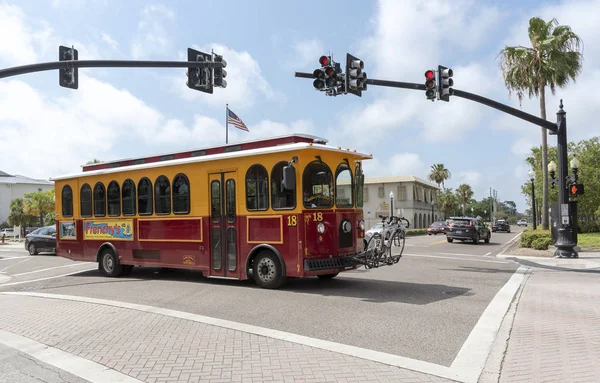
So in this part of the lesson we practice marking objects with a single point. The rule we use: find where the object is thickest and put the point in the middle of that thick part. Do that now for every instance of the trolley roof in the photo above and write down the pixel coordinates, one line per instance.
(223, 153)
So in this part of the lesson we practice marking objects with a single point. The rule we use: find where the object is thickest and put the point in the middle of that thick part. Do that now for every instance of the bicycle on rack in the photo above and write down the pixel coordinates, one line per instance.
(386, 247)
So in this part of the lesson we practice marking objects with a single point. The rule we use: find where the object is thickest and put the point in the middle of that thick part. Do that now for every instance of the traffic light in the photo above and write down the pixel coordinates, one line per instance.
(430, 90)
(356, 79)
(219, 73)
(199, 78)
(575, 190)
(445, 82)
(68, 77)
(326, 76)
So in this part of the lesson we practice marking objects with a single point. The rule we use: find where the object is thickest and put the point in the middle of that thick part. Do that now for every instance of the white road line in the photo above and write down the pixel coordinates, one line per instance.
(47, 278)
(455, 258)
(488, 253)
(9, 258)
(14, 264)
(50, 268)
(466, 255)
(473, 354)
(78, 366)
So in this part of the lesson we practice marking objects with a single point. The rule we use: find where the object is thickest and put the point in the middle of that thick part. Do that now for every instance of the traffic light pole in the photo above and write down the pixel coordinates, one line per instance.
(15, 71)
(565, 243)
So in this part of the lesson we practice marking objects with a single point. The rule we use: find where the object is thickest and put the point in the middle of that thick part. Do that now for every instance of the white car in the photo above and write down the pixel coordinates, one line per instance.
(377, 228)
(7, 233)
(522, 222)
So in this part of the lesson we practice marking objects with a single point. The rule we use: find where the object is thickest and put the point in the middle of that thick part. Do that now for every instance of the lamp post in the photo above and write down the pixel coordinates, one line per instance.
(532, 178)
(565, 235)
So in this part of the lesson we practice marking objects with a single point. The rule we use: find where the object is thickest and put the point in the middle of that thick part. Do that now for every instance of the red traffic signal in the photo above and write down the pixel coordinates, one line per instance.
(325, 60)
(576, 190)
(429, 74)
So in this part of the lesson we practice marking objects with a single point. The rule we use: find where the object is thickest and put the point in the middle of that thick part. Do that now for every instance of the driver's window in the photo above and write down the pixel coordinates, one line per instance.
(317, 185)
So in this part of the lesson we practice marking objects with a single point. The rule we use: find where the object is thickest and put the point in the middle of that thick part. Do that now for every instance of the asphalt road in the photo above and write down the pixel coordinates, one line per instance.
(423, 308)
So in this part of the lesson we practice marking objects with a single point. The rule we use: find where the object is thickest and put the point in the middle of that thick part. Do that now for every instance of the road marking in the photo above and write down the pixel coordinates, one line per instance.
(474, 352)
(437, 243)
(9, 258)
(455, 258)
(488, 253)
(50, 268)
(466, 367)
(47, 278)
(78, 366)
(14, 264)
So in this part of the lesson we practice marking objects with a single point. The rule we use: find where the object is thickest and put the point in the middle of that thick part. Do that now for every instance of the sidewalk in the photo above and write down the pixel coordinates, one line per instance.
(588, 261)
(555, 335)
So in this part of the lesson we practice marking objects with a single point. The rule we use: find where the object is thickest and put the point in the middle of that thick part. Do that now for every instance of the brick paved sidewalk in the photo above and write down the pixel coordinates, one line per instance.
(157, 348)
(556, 332)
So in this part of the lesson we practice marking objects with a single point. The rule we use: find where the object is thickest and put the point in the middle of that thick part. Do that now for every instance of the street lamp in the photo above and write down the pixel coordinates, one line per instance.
(532, 178)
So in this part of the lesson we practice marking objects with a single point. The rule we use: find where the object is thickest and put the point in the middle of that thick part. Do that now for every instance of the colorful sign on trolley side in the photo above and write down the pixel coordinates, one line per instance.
(111, 230)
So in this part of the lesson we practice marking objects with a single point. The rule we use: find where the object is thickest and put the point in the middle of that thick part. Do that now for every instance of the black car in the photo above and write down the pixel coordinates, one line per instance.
(467, 229)
(41, 240)
(501, 225)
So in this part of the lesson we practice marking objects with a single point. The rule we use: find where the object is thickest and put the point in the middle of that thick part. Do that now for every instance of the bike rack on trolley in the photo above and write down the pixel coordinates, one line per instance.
(376, 257)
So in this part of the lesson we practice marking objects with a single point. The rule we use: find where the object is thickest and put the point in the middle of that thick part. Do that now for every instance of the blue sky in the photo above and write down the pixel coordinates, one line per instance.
(47, 130)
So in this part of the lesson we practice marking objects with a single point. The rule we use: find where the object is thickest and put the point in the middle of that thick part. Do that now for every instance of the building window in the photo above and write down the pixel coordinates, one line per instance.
(181, 194)
(257, 188)
(281, 198)
(114, 199)
(145, 196)
(85, 197)
(128, 194)
(401, 193)
(366, 194)
(425, 195)
(162, 195)
(99, 200)
(380, 192)
(317, 185)
(343, 186)
(67, 201)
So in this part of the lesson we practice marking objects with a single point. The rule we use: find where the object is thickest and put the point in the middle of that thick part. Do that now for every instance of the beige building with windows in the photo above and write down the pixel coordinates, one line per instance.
(415, 197)
(16, 186)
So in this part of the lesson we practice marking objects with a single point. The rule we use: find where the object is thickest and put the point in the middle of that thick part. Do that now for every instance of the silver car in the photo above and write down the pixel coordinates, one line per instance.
(377, 228)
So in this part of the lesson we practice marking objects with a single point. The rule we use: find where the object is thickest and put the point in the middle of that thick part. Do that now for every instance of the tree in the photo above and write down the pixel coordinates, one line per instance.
(17, 216)
(39, 203)
(439, 174)
(464, 193)
(553, 60)
(94, 161)
(448, 202)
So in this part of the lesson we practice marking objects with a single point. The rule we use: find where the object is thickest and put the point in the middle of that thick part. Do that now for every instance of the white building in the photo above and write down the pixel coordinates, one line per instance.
(416, 198)
(16, 186)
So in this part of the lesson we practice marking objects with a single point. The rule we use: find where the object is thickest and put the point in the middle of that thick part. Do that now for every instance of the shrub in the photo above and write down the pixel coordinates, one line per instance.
(530, 236)
(541, 243)
(588, 226)
(412, 232)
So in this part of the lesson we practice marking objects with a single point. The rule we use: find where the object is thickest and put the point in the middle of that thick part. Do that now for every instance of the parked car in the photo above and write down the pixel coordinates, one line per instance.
(377, 228)
(522, 222)
(41, 240)
(501, 225)
(7, 233)
(437, 228)
(467, 229)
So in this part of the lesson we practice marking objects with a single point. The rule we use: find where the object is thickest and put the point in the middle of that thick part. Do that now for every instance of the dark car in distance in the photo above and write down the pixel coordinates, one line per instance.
(437, 228)
(467, 229)
(41, 240)
(501, 225)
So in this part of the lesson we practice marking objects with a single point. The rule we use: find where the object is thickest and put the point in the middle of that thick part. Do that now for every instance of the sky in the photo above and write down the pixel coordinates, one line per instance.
(47, 130)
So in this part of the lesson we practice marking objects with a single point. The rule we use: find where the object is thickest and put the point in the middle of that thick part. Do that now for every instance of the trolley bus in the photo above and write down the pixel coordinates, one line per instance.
(288, 206)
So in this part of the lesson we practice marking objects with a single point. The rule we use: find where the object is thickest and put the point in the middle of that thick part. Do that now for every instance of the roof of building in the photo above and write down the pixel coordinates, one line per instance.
(6, 178)
(394, 179)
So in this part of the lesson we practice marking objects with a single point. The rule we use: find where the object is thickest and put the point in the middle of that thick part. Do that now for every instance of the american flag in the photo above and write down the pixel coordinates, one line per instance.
(234, 120)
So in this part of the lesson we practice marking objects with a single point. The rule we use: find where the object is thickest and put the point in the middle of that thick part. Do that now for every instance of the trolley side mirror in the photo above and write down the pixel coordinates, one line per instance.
(289, 177)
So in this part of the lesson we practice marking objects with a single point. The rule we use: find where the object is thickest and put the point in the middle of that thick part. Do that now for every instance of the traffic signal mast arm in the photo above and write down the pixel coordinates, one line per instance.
(551, 126)
(15, 71)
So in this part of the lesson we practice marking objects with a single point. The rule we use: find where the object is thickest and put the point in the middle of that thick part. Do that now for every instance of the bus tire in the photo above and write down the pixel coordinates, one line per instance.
(109, 263)
(268, 272)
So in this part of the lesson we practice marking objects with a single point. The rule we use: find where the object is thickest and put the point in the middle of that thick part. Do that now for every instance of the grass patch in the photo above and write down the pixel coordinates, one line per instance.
(589, 241)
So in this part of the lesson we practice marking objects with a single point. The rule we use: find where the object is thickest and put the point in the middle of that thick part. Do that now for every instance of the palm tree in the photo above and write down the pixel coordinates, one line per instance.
(39, 203)
(464, 194)
(17, 216)
(448, 202)
(439, 174)
(553, 60)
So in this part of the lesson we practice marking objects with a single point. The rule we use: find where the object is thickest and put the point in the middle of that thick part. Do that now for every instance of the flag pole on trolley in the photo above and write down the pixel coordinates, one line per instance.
(226, 123)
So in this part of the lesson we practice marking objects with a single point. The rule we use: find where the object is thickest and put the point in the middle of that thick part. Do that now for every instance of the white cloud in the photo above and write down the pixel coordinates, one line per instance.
(306, 53)
(396, 165)
(18, 40)
(245, 83)
(109, 40)
(153, 38)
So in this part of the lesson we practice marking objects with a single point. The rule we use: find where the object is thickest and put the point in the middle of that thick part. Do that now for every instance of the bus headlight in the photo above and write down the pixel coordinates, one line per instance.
(321, 227)
(361, 224)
